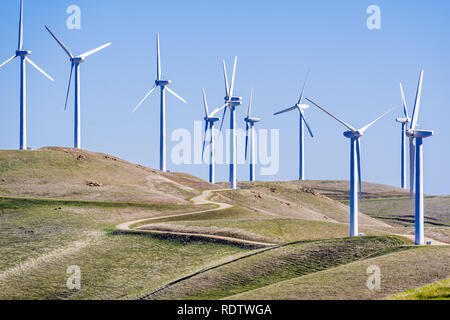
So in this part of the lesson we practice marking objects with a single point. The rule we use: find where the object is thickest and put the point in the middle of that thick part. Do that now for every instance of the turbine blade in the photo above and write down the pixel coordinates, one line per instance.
(412, 160)
(158, 58)
(19, 46)
(205, 103)
(176, 95)
(334, 117)
(145, 98)
(358, 154)
(227, 89)
(246, 139)
(7, 61)
(218, 110)
(63, 46)
(87, 54)
(204, 138)
(405, 108)
(285, 110)
(415, 115)
(304, 85)
(302, 113)
(223, 118)
(39, 69)
(68, 88)
(373, 122)
(233, 77)
(250, 103)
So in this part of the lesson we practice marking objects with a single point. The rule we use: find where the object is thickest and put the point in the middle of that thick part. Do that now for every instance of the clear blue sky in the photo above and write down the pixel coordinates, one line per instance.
(354, 72)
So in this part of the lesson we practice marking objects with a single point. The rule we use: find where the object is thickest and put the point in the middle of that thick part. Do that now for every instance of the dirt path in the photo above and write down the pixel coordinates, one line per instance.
(203, 198)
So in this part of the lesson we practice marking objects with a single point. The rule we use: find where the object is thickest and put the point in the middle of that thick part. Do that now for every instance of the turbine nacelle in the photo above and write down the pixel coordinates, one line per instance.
(353, 134)
(211, 119)
(233, 101)
(23, 53)
(77, 60)
(422, 134)
(163, 83)
(403, 120)
(302, 106)
(252, 120)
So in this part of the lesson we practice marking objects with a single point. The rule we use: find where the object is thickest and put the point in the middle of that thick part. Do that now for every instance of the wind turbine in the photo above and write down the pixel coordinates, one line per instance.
(418, 135)
(405, 121)
(163, 85)
(301, 108)
(231, 102)
(75, 62)
(209, 124)
(355, 165)
(250, 126)
(23, 54)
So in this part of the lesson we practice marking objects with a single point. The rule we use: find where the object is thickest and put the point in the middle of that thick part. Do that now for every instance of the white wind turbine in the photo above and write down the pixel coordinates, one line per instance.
(231, 102)
(23, 54)
(163, 85)
(418, 135)
(355, 165)
(405, 121)
(301, 108)
(75, 62)
(209, 124)
(250, 126)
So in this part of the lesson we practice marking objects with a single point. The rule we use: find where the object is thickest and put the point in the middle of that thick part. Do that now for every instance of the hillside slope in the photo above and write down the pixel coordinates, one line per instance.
(65, 173)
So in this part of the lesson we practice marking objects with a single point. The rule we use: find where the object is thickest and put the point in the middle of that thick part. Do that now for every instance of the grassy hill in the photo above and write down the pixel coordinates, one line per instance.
(65, 173)
(60, 207)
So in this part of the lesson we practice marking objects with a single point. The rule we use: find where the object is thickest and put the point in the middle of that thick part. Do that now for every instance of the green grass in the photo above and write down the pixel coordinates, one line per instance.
(436, 291)
(399, 271)
(400, 211)
(30, 228)
(115, 267)
(228, 214)
(278, 264)
(280, 230)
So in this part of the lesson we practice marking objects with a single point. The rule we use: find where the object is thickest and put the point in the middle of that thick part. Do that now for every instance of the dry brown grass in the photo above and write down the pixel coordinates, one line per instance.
(65, 173)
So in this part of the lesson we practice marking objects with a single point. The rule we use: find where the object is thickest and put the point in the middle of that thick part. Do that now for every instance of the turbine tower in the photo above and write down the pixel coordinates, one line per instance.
(231, 102)
(75, 62)
(355, 165)
(209, 124)
(301, 108)
(418, 135)
(405, 121)
(24, 57)
(250, 126)
(163, 85)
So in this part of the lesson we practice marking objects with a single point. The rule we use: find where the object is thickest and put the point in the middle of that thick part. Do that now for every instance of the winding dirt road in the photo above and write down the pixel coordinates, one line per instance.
(203, 198)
